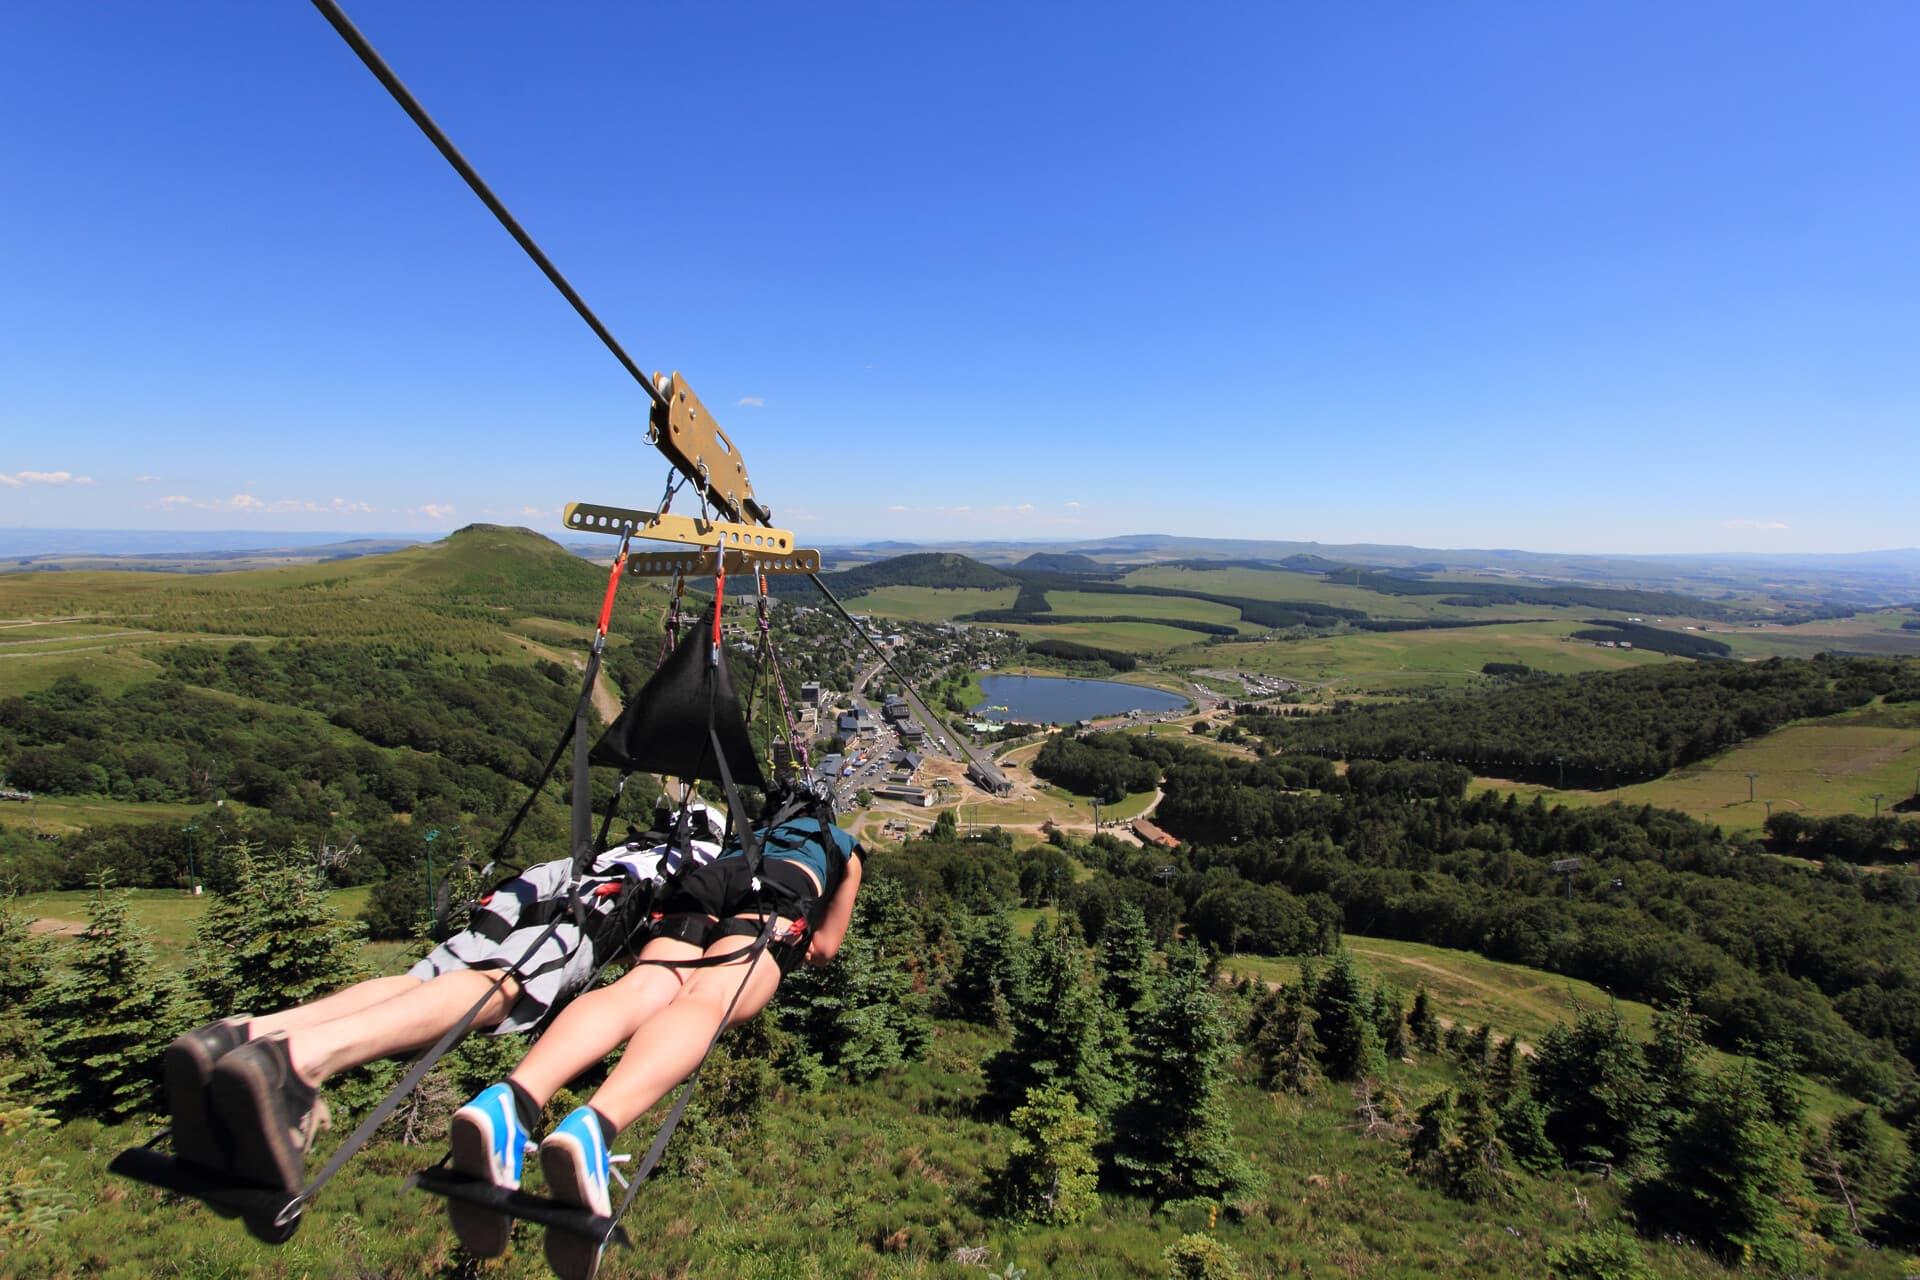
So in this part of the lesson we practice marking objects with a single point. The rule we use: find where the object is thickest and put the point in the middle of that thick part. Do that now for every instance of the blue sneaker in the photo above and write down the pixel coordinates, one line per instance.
(574, 1157)
(488, 1143)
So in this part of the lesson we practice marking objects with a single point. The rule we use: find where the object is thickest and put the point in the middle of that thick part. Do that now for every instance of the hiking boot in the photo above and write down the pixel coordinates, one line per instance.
(273, 1114)
(200, 1136)
(574, 1158)
(490, 1144)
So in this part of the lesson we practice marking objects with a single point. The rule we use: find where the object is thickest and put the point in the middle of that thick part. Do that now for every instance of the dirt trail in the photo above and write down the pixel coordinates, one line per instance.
(1414, 962)
(53, 925)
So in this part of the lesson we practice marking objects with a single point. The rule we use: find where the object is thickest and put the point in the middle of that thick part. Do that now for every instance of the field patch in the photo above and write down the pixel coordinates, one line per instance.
(1104, 605)
(930, 604)
(1821, 768)
(1877, 634)
(1394, 661)
(1283, 584)
(1127, 637)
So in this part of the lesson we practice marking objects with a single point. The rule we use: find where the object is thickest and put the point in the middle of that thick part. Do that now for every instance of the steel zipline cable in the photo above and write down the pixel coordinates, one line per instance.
(436, 135)
(361, 46)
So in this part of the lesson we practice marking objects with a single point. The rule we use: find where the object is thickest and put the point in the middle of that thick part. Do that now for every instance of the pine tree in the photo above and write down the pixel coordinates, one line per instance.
(1478, 1052)
(1434, 1131)
(1592, 1080)
(1505, 1073)
(107, 1022)
(1733, 1176)
(1389, 1021)
(24, 962)
(1475, 1167)
(1423, 1024)
(1859, 1163)
(1350, 1045)
(988, 975)
(272, 939)
(1172, 1139)
(1283, 1043)
(1126, 959)
(1456, 1146)
(1674, 1057)
(1064, 1031)
(1051, 1172)
(1523, 1127)
(860, 1014)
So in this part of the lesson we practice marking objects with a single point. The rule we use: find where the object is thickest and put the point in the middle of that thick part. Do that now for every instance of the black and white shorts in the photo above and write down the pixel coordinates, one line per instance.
(508, 921)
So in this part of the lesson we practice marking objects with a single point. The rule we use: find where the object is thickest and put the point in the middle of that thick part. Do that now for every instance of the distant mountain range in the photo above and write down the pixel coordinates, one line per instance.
(1860, 578)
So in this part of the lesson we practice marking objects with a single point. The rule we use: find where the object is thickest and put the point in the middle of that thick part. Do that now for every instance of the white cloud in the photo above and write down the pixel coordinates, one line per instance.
(145, 479)
(247, 502)
(1073, 506)
(1775, 525)
(752, 402)
(20, 478)
(1004, 513)
(436, 510)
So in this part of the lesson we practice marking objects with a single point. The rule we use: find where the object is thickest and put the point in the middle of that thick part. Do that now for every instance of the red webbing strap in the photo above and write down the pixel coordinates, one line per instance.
(719, 597)
(613, 589)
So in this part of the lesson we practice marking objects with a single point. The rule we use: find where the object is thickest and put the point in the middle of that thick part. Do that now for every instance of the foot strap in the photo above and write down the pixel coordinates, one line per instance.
(481, 1194)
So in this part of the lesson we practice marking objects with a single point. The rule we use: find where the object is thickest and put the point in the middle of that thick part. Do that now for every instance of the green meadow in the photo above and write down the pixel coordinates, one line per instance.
(1387, 662)
(1822, 768)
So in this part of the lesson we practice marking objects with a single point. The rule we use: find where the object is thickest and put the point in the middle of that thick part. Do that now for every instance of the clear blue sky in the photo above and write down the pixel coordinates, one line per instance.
(1580, 277)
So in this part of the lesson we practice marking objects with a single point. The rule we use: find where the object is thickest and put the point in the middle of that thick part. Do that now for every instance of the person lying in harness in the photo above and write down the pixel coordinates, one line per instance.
(244, 1091)
(704, 969)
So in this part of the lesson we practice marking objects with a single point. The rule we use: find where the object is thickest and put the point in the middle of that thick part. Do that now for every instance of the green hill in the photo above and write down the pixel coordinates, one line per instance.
(940, 569)
(330, 703)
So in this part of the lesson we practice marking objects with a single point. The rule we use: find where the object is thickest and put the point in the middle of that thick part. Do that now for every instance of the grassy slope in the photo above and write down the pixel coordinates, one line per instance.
(105, 627)
(883, 1180)
(1822, 767)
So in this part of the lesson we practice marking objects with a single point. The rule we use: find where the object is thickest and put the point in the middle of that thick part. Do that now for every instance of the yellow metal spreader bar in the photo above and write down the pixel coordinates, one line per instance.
(699, 564)
(751, 539)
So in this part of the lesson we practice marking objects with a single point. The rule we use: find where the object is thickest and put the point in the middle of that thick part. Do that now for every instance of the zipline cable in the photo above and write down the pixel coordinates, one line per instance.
(330, 9)
(912, 692)
(332, 12)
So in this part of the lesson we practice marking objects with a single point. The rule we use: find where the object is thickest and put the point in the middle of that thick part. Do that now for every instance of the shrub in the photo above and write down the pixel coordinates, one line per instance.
(1198, 1256)
(1051, 1172)
(1605, 1253)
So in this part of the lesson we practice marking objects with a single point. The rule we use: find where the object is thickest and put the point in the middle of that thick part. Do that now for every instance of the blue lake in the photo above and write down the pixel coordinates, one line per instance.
(1063, 699)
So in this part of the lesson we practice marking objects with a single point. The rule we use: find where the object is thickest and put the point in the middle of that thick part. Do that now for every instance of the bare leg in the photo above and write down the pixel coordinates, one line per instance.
(598, 1022)
(669, 1045)
(411, 1019)
(360, 995)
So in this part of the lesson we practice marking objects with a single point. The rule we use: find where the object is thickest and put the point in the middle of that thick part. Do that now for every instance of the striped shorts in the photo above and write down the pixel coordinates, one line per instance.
(507, 924)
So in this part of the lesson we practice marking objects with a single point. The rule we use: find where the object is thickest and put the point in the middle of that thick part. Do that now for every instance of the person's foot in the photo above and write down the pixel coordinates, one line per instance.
(489, 1143)
(273, 1113)
(200, 1135)
(575, 1160)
